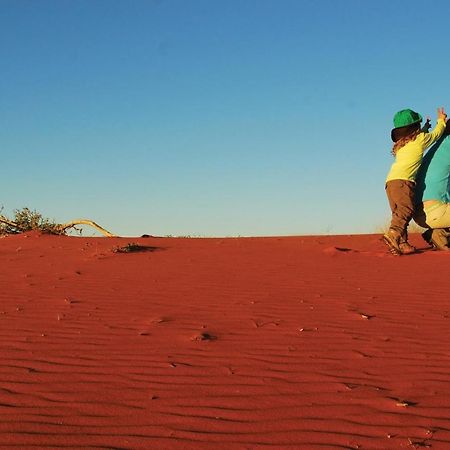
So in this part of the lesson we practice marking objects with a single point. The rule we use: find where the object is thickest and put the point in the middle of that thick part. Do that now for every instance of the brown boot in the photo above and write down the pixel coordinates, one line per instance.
(392, 239)
(406, 248)
(439, 239)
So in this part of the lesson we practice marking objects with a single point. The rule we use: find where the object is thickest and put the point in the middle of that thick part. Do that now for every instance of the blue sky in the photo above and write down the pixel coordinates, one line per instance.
(211, 117)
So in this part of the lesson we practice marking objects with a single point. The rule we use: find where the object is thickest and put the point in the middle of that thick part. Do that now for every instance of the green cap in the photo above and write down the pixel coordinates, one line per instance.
(406, 117)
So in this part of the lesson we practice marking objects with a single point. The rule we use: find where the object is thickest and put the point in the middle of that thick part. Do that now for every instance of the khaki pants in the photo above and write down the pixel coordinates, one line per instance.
(436, 216)
(400, 194)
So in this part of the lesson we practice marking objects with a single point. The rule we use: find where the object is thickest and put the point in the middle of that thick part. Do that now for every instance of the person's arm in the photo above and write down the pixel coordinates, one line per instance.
(433, 136)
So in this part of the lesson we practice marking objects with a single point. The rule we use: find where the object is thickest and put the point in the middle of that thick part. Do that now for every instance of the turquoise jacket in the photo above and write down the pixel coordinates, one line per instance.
(433, 177)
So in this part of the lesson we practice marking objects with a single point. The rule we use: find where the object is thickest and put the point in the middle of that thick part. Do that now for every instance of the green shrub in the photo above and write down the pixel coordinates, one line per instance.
(26, 219)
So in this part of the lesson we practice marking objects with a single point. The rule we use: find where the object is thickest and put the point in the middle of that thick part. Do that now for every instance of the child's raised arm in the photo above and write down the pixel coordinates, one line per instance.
(433, 136)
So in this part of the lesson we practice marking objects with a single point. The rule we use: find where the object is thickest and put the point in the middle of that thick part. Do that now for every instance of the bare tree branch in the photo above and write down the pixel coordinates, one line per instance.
(73, 223)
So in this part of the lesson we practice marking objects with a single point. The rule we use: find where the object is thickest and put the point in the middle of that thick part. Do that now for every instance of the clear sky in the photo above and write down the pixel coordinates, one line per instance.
(212, 117)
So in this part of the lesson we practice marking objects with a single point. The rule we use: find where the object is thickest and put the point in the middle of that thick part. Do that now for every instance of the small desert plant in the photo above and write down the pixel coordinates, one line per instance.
(129, 248)
(28, 220)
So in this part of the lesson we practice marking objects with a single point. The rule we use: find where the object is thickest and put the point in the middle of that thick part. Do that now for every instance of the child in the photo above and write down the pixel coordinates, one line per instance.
(410, 141)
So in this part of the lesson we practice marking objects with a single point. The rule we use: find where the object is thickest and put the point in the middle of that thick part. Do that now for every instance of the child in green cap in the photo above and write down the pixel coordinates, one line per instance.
(410, 142)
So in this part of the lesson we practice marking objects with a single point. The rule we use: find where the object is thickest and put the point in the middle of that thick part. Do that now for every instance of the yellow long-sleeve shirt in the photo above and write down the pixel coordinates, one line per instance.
(408, 158)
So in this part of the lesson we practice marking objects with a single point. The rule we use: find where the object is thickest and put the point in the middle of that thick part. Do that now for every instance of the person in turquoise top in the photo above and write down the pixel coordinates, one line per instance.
(432, 195)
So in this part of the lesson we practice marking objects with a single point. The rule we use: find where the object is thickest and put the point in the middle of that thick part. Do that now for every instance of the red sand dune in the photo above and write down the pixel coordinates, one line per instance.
(248, 343)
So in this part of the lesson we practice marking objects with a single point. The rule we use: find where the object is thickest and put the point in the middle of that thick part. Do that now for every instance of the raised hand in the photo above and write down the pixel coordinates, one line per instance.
(441, 114)
(427, 125)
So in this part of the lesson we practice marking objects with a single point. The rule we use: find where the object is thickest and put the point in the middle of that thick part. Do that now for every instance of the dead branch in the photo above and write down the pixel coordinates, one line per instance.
(6, 221)
(66, 226)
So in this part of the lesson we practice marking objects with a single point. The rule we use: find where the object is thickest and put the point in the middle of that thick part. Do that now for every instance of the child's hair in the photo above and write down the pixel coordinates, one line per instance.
(403, 135)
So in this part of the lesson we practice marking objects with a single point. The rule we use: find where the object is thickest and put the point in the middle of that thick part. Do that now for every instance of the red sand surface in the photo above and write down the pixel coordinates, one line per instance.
(248, 343)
